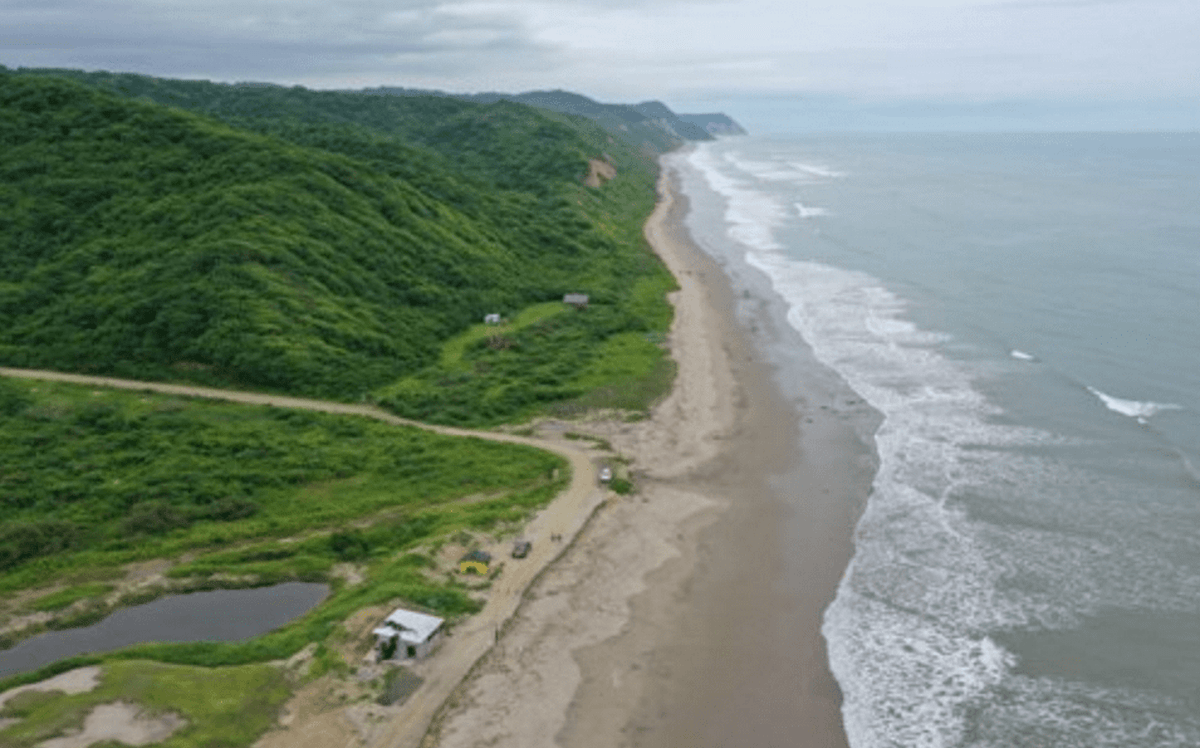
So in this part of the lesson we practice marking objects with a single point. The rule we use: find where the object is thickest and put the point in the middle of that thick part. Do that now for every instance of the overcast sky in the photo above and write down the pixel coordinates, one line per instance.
(763, 61)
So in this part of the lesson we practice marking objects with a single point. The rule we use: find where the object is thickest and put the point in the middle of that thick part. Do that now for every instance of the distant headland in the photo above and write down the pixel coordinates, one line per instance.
(650, 122)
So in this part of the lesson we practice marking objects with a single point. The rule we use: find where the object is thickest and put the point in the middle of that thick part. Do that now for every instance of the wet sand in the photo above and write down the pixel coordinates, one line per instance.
(689, 614)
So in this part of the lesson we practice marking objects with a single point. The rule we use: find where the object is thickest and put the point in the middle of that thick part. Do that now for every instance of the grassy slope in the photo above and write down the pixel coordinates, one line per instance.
(226, 707)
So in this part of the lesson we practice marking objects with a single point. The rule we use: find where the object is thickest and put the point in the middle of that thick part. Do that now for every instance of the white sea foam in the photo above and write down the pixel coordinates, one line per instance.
(885, 705)
(1141, 410)
(1021, 355)
(782, 170)
(752, 214)
(1069, 714)
(770, 171)
(817, 170)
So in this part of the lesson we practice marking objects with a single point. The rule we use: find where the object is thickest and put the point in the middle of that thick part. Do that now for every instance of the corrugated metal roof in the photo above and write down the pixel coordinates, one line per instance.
(412, 627)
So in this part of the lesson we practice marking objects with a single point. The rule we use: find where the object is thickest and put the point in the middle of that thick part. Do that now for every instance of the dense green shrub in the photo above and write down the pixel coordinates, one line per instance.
(153, 518)
(621, 486)
(65, 597)
(349, 545)
(25, 540)
(389, 649)
(13, 399)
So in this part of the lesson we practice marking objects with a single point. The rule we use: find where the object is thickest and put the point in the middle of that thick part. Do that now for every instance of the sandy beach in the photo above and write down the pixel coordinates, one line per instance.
(689, 613)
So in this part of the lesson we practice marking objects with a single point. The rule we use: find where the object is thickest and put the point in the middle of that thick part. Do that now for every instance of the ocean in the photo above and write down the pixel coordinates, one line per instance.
(1023, 311)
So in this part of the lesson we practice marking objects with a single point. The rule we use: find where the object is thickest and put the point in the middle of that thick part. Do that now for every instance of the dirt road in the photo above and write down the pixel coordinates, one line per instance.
(407, 725)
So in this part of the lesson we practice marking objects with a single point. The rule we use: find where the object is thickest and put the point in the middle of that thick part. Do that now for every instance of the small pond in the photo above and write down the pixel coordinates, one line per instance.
(220, 615)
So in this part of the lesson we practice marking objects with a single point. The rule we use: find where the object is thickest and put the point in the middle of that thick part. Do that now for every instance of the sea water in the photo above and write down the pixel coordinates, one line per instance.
(1024, 313)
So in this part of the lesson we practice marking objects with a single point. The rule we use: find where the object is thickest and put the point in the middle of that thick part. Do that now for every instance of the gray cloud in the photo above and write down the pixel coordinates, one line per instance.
(260, 38)
(629, 50)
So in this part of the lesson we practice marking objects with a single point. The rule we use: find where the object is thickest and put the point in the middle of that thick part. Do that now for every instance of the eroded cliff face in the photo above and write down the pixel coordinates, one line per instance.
(599, 172)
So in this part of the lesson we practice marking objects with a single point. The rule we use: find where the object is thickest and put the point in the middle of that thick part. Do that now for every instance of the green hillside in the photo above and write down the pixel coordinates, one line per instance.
(314, 242)
(504, 144)
(649, 127)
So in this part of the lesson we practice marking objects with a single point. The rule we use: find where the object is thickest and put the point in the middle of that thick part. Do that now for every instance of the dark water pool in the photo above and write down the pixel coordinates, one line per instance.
(220, 615)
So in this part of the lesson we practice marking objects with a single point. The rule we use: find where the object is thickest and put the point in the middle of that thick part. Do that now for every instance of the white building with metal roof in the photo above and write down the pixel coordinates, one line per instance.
(407, 634)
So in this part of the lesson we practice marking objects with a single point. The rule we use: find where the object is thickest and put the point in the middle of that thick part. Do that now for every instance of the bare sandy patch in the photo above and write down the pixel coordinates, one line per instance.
(312, 718)
(599, 172)
(120, 722)
(23, 625)
(79, 680)
(352, 573)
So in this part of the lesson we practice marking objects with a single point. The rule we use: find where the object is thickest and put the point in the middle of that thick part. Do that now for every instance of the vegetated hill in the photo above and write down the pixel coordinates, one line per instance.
(715, 123)
(659, 113)
(432, 119)
(650, 126)
(512, 147)
(321, 254)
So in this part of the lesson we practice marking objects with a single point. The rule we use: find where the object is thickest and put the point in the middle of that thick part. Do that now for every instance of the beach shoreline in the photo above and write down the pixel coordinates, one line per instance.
(690, 613)
(687, 613)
